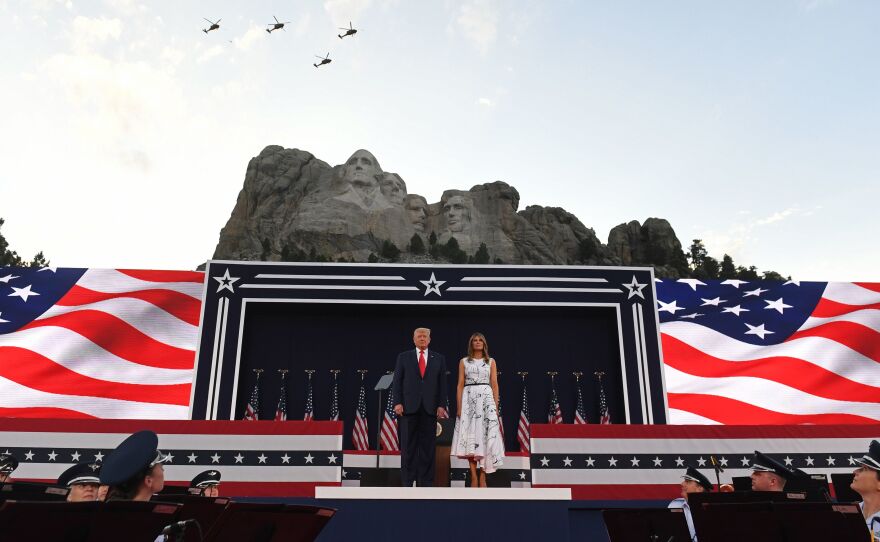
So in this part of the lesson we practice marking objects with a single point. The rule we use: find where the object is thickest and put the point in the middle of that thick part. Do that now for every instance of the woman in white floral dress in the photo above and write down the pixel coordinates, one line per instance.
(477, 435)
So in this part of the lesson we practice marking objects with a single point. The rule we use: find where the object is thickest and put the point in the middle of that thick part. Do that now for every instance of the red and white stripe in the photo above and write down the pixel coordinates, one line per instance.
(388, 434)
(522, 432)
(360, 435)
(827, 372)
(119, 344)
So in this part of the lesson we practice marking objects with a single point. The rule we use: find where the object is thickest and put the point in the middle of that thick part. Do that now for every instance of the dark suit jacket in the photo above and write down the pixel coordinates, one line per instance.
(411, 390)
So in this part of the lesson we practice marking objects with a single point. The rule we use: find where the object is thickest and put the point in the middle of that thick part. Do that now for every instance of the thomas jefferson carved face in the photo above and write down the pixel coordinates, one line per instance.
(417, 210)
(393, 188)
(458, 213)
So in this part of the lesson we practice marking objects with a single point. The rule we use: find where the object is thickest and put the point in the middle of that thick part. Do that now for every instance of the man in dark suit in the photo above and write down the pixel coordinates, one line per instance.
(419, 391)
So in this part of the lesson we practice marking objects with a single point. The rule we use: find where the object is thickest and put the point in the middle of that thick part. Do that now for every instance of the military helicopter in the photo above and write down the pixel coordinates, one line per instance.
(277, 25)
(350, 31)
(324, 60)
(214, 26)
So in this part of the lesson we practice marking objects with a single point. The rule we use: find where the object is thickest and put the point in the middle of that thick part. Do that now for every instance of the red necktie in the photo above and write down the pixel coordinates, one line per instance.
(422, 363)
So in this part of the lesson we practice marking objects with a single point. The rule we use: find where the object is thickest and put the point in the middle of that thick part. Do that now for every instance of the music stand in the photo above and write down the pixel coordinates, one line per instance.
(132, 521)
(269, 523)
(736, 522)
(641, 525)
(22, 520)
(27, 491)
(815, 521)
(742, 483)
(205, 510)
(842, 491)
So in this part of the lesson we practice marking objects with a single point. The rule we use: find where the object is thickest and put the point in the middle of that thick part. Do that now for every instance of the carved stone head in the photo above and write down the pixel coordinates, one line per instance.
(361, 175)
(417, 211)
(457, 210)
(393, 188)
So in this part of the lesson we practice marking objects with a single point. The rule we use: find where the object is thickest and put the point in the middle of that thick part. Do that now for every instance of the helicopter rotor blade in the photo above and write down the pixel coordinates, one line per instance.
(276, 18)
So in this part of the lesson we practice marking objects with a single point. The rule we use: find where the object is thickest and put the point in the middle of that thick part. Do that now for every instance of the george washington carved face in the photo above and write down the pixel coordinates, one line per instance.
(360, 175)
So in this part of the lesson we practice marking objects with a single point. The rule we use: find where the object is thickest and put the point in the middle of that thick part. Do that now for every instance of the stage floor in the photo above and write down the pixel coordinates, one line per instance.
(444, 493)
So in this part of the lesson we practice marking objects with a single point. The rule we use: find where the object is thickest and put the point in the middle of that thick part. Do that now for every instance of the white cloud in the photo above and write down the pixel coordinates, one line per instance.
(210, 53)
(486, 102)
(129, 8)
(302, 24)
(777, 216)
(737, 237)
(344, 11)
(478, 21)
(253, 35)
(86, 32)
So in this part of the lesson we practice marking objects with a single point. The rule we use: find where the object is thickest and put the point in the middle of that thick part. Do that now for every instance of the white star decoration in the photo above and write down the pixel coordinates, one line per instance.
(309, 459)
(332, 458)
(29, 456)
(612, 461)
(2, 321)
(52, 456)
(635, 288)
(52, 269)
(723, 461)
(215, 458)
(432, 285)
(777, 305)
(693, 283)
(192, 458)
(169, 458)
(522, 475)
(99, 456)
(795, 282)
(788, 461)
(634, 461)
(657, 461)
(544, 461)
(285, 458)
(23, 293)
(679, 462)
(239, 458)
(226, 281)
(756, 292)
(830, 460)
(262, 458)
(669, 307)
(714, 302)
(590, 461)
(7, 278)
(567, 461)
(735, 310)
(701, 462)
(734, 282)
(693, 315)
(745, 461)
(809, 461)
(758, 330)
(74, 456)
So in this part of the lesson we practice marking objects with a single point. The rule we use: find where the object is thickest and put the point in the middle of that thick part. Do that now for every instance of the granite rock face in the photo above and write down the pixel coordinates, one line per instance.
(295, 207)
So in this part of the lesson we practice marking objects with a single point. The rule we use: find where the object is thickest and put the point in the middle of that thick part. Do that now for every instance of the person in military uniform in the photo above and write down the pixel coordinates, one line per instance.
(693, 481)
(134, 469)
(769, 474)
(206, 484)
(7, 465)
(866, 482)
(82, 481)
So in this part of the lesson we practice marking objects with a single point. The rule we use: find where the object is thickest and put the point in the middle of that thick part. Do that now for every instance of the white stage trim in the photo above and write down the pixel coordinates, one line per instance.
(444, 493)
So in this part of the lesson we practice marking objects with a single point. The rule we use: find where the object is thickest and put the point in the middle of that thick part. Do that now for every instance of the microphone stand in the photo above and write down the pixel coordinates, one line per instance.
(718, 471)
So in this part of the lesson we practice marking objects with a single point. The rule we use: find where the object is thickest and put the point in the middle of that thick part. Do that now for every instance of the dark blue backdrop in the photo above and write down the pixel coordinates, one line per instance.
(299, 336)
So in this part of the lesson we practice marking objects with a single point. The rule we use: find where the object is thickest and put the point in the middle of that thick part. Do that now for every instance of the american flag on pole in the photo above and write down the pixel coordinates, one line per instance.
(334, 400)
(523, 429)
(97, 343)
(739, 352)
(554, 414)
(604, 413)
(360, 436)
(310, 403)
(389, 428)
(252, 411)
(580, 413)
(281, 411)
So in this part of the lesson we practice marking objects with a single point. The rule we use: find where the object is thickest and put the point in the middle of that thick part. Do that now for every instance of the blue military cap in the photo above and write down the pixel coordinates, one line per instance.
(80, 473)
(698, 477)
(205, 479)
(871, 460)
(765, 463)
(8, 463)
(136, 453)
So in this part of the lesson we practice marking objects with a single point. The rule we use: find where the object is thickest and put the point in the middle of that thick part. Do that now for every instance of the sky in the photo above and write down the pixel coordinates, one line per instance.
(125, 130)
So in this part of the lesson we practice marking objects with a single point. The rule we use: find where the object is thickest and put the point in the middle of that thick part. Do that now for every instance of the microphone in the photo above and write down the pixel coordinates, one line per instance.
(715, 464)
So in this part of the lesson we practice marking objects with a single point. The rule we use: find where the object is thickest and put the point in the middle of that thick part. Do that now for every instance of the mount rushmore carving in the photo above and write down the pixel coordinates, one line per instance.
(295, 207)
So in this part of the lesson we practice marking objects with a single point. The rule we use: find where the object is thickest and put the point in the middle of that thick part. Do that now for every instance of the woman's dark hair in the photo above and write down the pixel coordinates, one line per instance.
(127, 490)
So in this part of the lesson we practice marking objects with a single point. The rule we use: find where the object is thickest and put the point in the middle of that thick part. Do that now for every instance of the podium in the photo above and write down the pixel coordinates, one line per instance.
(442, 461)
(269, 523)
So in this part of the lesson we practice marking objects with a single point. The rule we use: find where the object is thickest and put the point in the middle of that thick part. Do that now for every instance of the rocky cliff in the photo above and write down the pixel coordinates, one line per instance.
(295, 207)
